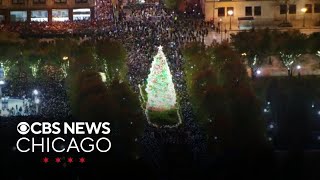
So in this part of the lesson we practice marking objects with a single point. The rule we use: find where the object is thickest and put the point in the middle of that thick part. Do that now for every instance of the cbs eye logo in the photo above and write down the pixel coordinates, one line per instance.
(23, 128)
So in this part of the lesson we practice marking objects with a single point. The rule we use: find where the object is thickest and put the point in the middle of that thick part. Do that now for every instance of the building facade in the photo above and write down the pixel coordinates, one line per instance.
(45, 10)
(262, 12)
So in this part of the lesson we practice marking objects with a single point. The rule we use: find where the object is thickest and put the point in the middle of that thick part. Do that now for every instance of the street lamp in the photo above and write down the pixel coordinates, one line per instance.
(258, 72)
(35, 92)
(65, 58)
(37, 102)
(298, 67)
(230, 13)
(2, 82)
(36, 99)
(220, 26)
(214, 7)
(304, 10)
(271, 126)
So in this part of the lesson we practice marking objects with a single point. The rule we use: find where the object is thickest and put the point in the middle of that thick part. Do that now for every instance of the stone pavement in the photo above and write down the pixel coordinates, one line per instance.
(215, 36)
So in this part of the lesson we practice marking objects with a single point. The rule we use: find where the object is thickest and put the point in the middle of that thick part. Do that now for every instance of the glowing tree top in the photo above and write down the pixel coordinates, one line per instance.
(160, 88)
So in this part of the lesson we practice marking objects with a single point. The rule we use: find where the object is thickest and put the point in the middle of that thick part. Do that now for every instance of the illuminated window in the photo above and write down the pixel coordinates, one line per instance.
(81, 1)
(39, 1)
(221, 11)
(60, 14)
(18, 16)
(248, 11)
(316, 8)
(39, 15)
(283, 9)
(17, 1)
(60, 1)
(309, 8)
(1, 18)
(292, 9)
(257, 10)
(81, 14)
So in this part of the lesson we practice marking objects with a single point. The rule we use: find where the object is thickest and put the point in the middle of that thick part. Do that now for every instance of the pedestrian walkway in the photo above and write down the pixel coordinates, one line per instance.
(14, 107)
(225, 34)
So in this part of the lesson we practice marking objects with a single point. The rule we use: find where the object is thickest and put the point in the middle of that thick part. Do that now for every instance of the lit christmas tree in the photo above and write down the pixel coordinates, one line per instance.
(161, 95)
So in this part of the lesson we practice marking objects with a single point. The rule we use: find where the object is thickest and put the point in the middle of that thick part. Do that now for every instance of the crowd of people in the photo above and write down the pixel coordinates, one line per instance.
(143, 12)
(105, 16)
(141, 37)
(17, 107)
(142, 31)
(20, 99)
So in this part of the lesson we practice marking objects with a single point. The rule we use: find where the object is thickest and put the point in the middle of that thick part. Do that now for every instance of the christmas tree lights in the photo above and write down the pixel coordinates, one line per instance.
(161, 95)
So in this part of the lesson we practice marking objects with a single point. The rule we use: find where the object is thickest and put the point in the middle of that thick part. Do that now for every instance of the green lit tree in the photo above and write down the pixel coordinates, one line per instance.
(313, 45)
(172, 4)
(256, 51)
(63, 54)
(160, 89)
(9, 46)
(290, 46)
(111, 59)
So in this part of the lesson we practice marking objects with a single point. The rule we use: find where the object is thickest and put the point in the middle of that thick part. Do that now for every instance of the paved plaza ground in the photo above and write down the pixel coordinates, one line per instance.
(218, 37)
(310, 64)
(15, 105)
